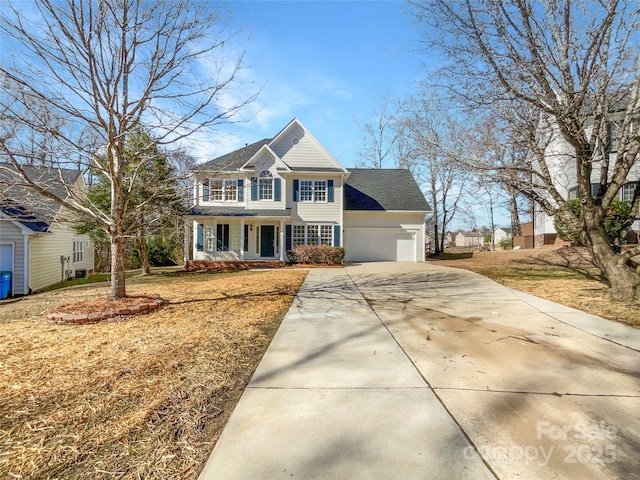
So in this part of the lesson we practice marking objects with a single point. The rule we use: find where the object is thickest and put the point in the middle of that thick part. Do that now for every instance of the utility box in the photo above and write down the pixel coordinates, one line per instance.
(5, 284)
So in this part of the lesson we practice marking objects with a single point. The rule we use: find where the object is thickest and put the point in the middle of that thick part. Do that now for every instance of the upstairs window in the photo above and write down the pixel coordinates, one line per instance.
(265, 185)
(313, 190)
(219, 190)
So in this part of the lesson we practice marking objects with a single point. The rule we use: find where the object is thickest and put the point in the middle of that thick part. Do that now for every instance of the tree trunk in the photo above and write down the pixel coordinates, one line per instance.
(117, 266)
(516, 226)
(624, 281)
(144, 255)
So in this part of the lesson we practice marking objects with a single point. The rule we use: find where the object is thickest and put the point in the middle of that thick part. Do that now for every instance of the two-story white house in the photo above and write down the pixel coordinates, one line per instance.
(261, 200)
(560, 160)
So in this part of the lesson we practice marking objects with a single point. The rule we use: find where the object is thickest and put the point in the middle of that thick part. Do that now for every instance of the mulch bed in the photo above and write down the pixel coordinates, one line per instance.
(101, 309)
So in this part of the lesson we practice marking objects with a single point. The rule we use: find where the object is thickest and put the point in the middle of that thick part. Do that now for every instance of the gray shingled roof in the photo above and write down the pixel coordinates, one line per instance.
(383, 189)
(24, 204)
(233, 161)
(237, 212)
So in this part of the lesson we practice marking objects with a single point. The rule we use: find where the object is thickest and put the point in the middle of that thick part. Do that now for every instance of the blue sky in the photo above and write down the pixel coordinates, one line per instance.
(328, 63)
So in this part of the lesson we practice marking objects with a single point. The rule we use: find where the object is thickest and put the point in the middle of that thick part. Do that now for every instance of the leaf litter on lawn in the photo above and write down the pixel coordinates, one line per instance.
(145, 397)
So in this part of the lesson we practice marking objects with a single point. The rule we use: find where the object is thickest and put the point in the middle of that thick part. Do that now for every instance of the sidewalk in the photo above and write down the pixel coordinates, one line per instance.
(335, 397)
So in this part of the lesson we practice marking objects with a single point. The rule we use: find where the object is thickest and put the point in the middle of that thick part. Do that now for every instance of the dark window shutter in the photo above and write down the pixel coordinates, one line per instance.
(287, 237)
(254, 189)
(330, 190)
(276, 189)
(336, 235)
(246, 238)
(241, 190)
(200, 238)
(296, 190)
(205, 191)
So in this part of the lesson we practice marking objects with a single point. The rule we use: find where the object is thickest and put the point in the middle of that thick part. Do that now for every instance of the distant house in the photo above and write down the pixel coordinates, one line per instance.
(502, 233)
(469, 239)
(257, 202)
(36, 245)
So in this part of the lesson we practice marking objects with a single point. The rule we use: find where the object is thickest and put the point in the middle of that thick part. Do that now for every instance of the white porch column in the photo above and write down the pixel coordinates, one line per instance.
(186, 242)
(242, 239)
(214, 236)
(194, 238)
(282, 245)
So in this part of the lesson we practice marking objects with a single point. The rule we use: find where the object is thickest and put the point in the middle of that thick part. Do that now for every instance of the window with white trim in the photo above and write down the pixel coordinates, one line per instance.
(78, 251)
(312, 234)
(220, 190)
(208, 239)
(326, 235)
(299, 235)
(627, 191)
(265, 185)
(313, 190)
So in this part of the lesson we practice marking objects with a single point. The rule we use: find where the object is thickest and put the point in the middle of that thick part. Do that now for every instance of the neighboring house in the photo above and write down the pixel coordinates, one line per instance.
(37, 246)
(562, 168)
(260, 201)
(469, 239)
(502, 233)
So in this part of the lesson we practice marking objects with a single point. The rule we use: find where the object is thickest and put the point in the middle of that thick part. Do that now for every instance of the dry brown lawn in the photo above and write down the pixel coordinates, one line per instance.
(564, 275)
(145, 397)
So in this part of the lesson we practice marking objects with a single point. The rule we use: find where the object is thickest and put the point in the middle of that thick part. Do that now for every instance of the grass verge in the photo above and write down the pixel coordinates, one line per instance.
(142, 398)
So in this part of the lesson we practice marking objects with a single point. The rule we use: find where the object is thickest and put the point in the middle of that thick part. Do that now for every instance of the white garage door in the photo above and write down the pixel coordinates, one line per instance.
(380, 245)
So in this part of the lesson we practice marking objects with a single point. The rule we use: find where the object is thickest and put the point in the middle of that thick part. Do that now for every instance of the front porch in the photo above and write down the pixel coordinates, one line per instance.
(216, 239)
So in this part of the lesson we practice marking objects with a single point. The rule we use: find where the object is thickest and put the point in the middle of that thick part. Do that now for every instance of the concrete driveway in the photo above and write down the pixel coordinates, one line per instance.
(541, 390)
(415, 371)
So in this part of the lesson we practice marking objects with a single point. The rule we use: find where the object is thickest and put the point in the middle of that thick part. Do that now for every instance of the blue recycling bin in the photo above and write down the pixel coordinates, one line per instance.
(5, 284)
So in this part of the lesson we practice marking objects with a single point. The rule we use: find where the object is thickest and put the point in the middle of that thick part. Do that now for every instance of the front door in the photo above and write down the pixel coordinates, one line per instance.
(267, 237)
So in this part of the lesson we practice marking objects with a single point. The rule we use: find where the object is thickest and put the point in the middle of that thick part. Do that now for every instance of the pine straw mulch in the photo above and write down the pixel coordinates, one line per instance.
(563, 275)
(145, 397)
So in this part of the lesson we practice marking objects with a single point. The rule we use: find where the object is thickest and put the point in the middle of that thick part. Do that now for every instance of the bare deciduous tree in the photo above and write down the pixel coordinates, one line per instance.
(380, 138)
(574, 65)
(109, 68)
(425, 130)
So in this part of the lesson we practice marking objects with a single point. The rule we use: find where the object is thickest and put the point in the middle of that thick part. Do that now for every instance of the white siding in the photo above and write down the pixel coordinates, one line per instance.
(328, 212)
(12, 235)
(307, 153)
(46, 249)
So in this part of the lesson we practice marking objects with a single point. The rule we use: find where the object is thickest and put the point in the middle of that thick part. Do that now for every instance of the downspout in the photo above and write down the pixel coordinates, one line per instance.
(342, 229)
(26, 290)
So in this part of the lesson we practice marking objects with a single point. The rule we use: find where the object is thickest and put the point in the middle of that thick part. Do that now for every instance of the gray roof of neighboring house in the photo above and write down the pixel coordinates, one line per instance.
(234, 160)
(25, 204)
(383, 189)
(238, 212)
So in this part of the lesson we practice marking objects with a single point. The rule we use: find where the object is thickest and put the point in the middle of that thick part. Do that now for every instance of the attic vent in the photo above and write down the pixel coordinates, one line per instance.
(295, 140)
